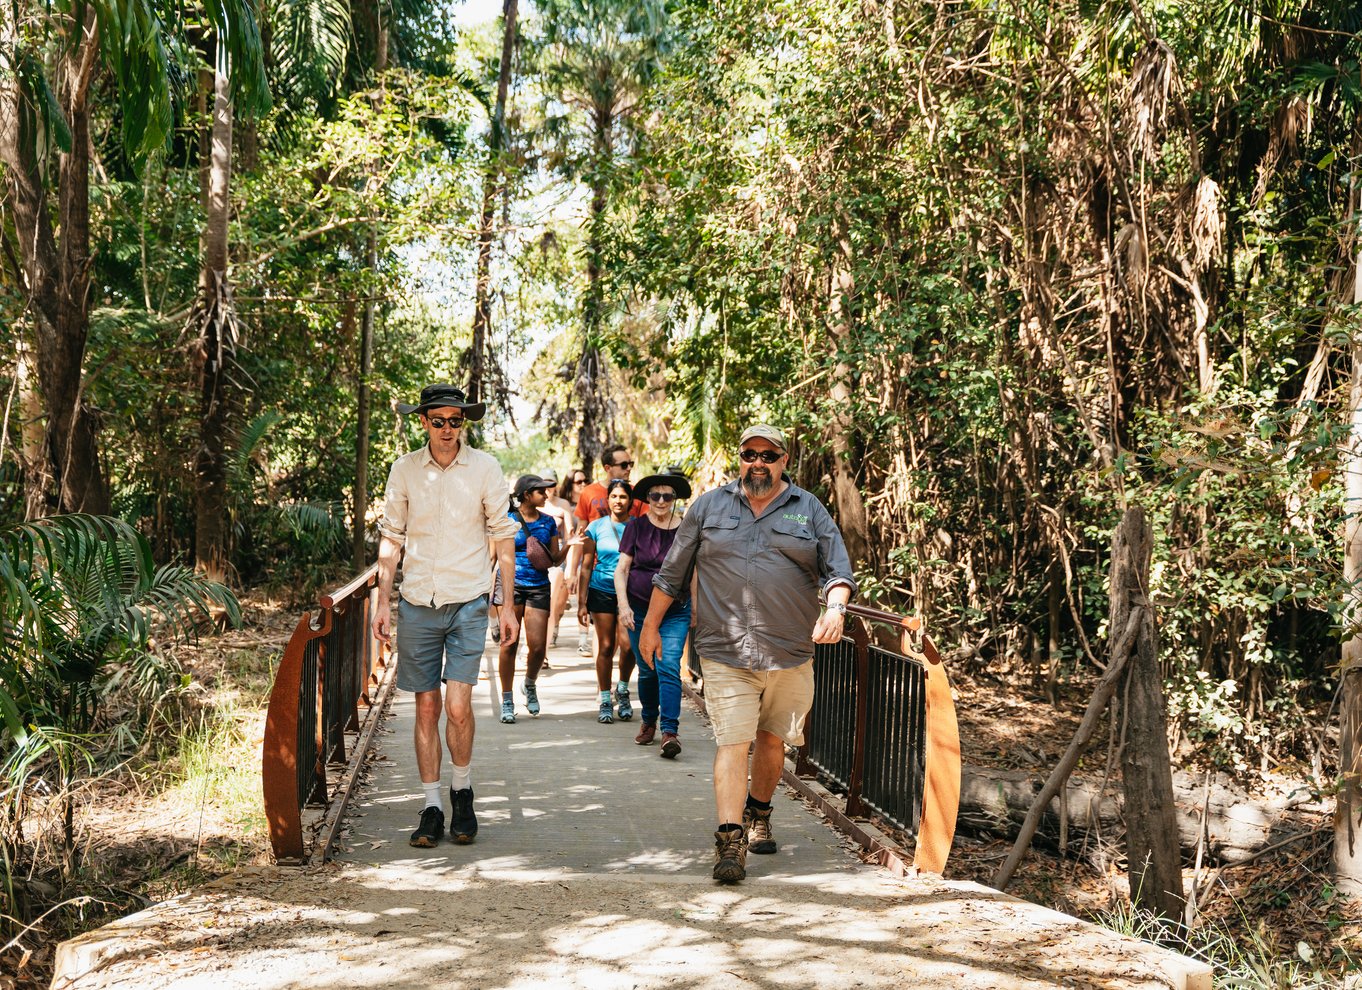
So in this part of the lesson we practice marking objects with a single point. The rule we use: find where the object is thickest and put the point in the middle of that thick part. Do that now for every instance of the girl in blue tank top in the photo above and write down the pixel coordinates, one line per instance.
(596, 596)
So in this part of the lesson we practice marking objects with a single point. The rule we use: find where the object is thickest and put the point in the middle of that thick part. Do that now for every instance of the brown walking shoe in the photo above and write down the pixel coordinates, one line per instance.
(730, 856)
(757, 826)
(646, 734)
(671, 746)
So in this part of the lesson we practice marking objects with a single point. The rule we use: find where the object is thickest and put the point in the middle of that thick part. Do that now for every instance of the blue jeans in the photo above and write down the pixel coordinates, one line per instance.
(662, 687)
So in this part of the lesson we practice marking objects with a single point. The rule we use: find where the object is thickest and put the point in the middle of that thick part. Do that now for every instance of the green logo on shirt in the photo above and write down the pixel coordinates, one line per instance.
(796, 517)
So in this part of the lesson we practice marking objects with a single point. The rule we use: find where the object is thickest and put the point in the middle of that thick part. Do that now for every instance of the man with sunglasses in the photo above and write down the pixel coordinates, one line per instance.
(591, 500)
(443, 504)
(760, 549)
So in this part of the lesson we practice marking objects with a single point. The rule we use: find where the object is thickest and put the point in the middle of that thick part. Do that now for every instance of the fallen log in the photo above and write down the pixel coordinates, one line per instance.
(1238, 825)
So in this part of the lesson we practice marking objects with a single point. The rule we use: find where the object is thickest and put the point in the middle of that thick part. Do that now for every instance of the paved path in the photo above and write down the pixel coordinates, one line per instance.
(563, 792)
(591, 870)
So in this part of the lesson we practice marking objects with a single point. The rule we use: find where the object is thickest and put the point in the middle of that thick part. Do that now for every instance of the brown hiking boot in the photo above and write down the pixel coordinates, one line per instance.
(757, 825)
(730, 856)
(646, 734)
(671, 746)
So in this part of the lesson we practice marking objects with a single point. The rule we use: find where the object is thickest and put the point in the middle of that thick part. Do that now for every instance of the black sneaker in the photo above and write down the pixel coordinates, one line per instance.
(463, 824)
(431, 828)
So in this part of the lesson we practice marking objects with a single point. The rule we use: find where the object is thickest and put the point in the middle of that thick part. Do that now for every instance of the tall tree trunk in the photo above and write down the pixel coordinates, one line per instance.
(364, 397)
(492, 179)
(1151, 820)
(851, 515)
(69, 477)
(216, 341)
(590, 381)
(1348, 813)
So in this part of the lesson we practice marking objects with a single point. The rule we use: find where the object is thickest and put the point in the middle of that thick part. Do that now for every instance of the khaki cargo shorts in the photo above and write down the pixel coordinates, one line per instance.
(742, 701)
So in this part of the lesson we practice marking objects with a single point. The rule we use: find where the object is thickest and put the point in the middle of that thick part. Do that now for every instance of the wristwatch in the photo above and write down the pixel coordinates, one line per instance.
(840, 608)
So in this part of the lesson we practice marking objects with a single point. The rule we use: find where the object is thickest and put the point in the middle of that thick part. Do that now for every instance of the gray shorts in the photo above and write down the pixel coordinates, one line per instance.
(439, 643)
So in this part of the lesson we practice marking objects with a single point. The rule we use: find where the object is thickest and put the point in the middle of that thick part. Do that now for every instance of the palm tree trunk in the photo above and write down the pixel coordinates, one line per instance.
(216, 343)
(590, 381)
(492, 179)
(363, 396)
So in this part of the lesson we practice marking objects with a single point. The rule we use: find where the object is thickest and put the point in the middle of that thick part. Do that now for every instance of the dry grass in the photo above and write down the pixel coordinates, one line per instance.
(185, 810)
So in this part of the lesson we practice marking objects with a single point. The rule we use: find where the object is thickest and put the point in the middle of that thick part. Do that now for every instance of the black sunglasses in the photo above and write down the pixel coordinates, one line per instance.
(623, 464)
(455, 422)
(661, 496)
(765, 456)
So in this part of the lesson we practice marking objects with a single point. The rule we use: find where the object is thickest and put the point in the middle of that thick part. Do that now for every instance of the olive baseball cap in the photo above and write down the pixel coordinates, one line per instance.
(765, 432)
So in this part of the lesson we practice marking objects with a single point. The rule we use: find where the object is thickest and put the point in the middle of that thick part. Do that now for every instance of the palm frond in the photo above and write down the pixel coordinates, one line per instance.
(312, 42)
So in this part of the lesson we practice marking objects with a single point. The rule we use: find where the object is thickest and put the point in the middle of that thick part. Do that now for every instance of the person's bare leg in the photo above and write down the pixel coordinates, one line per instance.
(536, 627)
(427, 735)
(605, 648)
(558, 602)
(768, 760)
(626, 660)
(458, 723)
(730, 782)
(506, 658)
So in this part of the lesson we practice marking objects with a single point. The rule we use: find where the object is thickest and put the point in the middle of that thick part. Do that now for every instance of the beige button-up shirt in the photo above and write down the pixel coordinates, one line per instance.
(445, 516)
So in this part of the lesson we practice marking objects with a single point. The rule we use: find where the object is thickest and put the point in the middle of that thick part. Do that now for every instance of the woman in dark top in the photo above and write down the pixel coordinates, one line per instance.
(643, 548)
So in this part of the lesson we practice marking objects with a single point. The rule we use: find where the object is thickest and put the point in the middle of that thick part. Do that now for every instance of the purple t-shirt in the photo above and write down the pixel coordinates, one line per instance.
(648, 546)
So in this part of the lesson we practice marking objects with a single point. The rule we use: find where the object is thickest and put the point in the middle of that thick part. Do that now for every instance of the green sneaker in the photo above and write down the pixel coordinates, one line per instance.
(626, 710)
(508, 712)
(531, 698)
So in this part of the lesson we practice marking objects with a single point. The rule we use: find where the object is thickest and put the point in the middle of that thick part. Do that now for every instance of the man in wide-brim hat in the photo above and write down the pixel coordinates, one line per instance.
(443, 503)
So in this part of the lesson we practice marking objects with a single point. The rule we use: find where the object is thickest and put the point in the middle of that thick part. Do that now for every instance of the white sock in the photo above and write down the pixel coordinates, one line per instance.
(432, 794)
(463, 777)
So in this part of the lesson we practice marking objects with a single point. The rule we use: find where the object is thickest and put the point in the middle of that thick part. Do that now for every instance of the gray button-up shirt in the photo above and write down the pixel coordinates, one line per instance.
(756, 600)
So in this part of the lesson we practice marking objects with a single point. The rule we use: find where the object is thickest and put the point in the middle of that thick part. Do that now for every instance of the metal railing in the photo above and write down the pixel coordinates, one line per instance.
(322, 690)
(883, 731)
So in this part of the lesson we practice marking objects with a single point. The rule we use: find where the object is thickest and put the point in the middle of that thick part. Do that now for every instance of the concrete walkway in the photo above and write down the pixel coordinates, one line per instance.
(563, 792)
(591, 870)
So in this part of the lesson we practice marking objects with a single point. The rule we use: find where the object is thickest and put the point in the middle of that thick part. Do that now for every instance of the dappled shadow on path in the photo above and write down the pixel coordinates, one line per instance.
(420, 925)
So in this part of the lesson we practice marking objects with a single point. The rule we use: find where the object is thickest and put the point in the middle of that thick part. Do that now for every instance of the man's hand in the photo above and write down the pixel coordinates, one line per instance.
(510, 625)
(828, 628)
(627, 617)
(381, 622)
(650, 645)
(583, 617)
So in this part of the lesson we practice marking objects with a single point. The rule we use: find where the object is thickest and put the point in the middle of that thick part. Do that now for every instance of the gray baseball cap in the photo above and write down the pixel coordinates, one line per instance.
(766, 432)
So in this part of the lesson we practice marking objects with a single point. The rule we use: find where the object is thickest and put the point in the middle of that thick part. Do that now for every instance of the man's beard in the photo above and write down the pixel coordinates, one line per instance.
(759, 482)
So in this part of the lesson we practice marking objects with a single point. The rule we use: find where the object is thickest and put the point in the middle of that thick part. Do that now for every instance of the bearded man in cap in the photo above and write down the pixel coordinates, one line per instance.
(444, 503)
(761, 549)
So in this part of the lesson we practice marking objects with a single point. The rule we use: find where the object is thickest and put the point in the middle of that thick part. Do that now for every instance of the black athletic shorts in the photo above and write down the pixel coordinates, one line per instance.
(535, 597)
(601, 601)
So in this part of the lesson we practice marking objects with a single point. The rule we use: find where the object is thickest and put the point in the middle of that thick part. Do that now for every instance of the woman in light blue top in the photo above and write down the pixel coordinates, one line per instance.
(596, 594)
